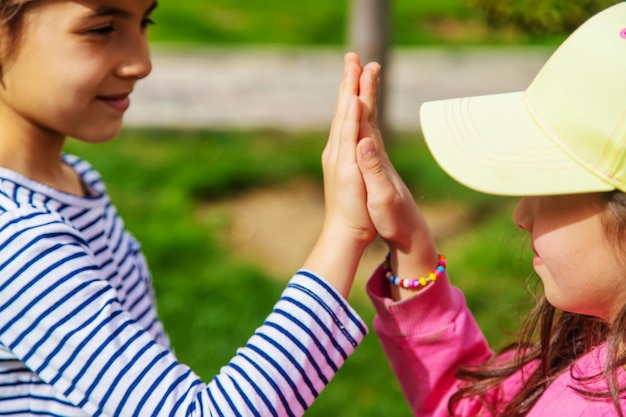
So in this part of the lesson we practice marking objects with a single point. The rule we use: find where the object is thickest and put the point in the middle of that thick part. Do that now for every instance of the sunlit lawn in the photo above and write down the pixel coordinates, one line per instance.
(211, 303)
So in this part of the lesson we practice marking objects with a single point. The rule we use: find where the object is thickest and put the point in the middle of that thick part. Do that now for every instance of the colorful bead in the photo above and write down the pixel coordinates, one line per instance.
(418, 282)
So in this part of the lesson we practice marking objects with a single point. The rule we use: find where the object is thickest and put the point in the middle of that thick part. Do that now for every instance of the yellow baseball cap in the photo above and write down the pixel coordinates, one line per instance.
(565, 134)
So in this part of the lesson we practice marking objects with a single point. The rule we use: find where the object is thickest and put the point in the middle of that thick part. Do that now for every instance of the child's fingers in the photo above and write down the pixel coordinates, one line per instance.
(353, 69)
(387, 202)
(349, 84)
(372, 166)
(368, 94)
(350, 127)
(341, 148)
(348, 89)
(368, 90)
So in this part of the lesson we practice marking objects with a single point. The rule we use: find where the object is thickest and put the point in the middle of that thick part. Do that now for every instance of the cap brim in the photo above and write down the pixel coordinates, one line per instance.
(491, 144)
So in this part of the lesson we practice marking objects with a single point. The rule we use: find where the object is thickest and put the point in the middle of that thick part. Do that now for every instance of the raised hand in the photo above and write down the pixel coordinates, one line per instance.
(344, 190)
(347, 228)
(391, 206)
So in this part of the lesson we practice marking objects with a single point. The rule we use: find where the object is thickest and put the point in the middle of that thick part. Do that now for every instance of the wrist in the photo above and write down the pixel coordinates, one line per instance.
(335, 257)
(414, 253)
(416, 283)
(413, 265)
(412, 236)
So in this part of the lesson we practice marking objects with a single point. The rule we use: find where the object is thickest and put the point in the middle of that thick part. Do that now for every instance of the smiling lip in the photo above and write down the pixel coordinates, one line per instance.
(119, 102)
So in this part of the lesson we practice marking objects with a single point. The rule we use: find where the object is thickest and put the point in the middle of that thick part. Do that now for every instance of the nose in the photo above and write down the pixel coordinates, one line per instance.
(136, 62)
(522, 216)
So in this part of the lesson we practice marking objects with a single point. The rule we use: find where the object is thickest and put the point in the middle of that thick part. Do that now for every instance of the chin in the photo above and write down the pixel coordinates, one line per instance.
(101, 136)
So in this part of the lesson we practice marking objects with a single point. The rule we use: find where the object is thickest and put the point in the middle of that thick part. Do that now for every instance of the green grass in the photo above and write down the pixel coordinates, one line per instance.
(318, 22)
(210, 303)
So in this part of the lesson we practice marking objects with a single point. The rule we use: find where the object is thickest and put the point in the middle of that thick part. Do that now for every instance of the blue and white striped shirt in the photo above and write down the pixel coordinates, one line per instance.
(79, 333)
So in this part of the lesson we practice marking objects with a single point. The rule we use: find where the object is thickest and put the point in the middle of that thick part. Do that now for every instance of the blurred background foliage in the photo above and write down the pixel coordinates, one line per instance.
(412, 22)
(538, 16)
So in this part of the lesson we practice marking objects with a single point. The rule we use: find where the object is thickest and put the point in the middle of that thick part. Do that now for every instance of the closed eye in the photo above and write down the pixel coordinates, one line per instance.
(102, 30)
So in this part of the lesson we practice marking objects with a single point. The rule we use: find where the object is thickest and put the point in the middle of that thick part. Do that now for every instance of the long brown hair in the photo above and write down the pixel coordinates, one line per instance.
(555, 340)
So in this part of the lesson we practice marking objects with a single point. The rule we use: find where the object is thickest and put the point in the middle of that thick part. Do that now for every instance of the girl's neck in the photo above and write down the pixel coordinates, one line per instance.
(36, 154)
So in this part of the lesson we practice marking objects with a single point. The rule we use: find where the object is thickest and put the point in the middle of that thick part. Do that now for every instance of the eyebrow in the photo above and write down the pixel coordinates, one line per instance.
(117, 12)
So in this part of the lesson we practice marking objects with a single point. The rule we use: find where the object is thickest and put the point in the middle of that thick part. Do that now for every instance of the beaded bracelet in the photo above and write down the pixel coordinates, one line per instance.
(418, 282)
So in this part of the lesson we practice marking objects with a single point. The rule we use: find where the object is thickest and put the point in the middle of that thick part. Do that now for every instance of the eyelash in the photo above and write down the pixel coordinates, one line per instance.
(105, 30)
(147, 22)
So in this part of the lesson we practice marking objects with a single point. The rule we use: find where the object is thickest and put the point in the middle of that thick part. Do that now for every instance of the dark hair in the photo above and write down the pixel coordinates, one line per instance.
(556, 339)
(11, 18)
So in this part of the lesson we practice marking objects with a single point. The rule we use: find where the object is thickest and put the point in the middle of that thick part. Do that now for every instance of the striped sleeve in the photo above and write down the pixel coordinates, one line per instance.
(63, 320)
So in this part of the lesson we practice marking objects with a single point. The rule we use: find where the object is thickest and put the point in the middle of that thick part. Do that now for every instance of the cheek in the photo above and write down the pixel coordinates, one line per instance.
(576, 237)
(67, 70)
(561, 248)
(57, 92)
(574, 252)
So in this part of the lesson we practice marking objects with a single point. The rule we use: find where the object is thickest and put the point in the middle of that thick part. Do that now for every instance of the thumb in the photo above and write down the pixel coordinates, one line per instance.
(370, 160)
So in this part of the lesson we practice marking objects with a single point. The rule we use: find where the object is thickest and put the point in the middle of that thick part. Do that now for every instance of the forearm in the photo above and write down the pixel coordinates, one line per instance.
(104, 363)
(425, 339)
(336, 259)
(295, 354)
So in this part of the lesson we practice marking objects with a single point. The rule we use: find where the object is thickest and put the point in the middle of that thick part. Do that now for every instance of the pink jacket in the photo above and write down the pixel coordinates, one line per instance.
(427, 337)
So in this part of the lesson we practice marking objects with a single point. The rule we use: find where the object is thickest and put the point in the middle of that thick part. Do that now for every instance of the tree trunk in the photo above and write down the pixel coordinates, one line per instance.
(368, 34)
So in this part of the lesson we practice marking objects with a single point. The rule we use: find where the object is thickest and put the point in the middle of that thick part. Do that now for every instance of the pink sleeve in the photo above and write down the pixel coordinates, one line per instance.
(425, 339)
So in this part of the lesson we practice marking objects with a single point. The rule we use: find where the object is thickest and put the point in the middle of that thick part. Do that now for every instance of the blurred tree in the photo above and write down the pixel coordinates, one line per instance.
(539, 16)
(368, 36)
